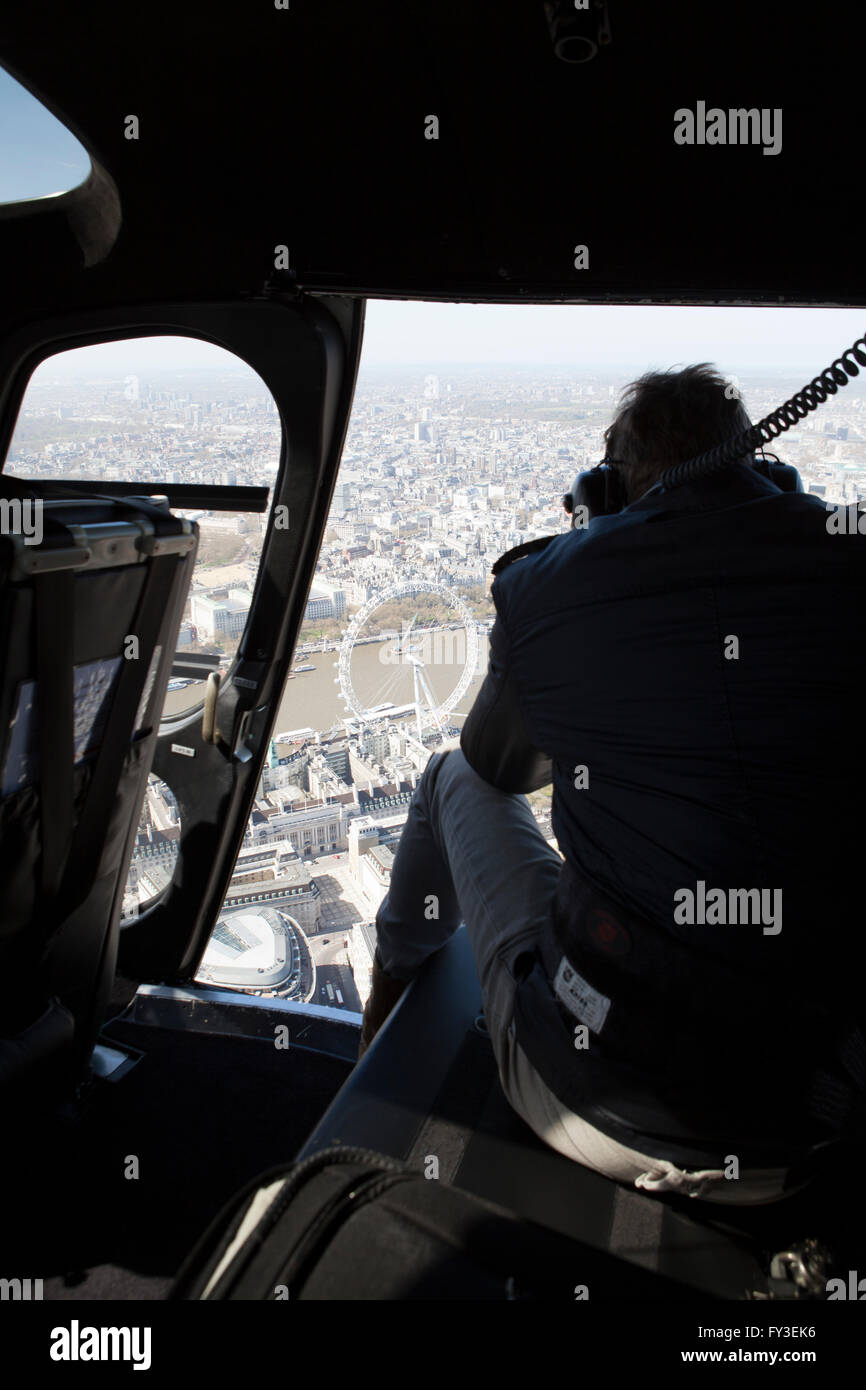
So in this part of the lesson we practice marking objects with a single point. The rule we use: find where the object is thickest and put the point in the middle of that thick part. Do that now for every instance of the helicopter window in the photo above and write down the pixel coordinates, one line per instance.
(440, 474)
(175, 411)
(164, 410)
(154, 856)
(39, 157)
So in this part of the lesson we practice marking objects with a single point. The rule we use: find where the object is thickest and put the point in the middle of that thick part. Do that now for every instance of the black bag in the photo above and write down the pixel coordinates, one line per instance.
(348, 1223)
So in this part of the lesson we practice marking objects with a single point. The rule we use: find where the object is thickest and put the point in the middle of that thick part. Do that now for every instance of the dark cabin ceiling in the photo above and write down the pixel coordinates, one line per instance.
(305, 127)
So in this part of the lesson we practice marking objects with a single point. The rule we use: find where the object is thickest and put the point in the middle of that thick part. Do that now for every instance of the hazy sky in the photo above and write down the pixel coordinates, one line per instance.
(609, 336)
(39, 156)
(586, 337)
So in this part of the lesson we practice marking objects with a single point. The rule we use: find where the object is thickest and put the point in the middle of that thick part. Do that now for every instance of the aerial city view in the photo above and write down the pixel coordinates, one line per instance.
(443, 470)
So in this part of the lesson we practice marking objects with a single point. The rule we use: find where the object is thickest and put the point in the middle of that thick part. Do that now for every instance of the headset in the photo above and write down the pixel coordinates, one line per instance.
(602, 492)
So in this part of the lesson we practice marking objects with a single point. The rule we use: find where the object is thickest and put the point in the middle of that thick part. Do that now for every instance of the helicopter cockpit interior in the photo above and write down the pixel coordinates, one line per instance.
(257, 178)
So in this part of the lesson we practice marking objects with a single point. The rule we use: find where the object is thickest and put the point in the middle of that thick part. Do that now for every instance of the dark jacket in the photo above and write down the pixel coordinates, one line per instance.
(698, 662)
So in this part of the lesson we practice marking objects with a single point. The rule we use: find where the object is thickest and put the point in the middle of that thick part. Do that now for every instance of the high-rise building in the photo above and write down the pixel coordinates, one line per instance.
(342, 499)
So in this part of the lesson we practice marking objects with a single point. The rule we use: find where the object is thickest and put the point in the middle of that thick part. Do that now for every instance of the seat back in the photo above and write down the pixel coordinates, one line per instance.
(91, 598)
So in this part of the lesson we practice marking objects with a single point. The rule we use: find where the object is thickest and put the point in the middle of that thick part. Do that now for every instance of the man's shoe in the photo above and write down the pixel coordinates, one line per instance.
(384, 993)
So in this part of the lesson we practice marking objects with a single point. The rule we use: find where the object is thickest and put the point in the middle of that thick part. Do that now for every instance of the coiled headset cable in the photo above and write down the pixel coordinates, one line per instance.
(839, 373)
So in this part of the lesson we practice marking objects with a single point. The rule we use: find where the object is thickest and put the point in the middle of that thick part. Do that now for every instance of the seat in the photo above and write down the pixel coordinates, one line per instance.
(79, 716)
(428, 1086)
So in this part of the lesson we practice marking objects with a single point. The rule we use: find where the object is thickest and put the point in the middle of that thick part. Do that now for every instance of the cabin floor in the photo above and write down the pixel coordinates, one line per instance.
(108, 1196)
(201, 1113)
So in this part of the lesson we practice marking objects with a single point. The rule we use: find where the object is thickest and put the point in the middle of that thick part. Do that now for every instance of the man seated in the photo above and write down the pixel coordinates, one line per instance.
(672, 1001)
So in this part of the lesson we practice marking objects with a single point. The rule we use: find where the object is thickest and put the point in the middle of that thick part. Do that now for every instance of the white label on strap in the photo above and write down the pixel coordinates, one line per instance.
(579, 997)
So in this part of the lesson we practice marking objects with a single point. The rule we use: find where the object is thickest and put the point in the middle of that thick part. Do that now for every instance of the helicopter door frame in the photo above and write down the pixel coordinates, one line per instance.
(306, 350)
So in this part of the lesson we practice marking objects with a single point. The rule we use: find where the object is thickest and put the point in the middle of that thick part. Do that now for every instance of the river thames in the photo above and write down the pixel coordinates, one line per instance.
(313, 699)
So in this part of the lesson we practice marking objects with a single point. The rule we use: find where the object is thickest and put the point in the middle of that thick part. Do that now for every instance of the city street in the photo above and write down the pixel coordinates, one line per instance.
(341, 893)
(341, 904)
